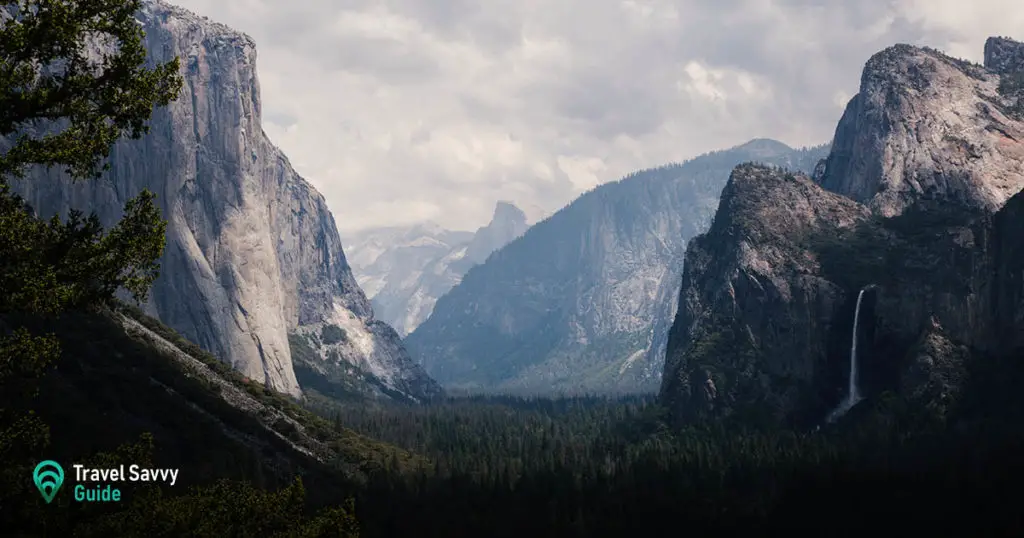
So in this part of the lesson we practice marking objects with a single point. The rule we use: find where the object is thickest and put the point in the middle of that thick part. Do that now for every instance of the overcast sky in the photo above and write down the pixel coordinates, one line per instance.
(402, 111)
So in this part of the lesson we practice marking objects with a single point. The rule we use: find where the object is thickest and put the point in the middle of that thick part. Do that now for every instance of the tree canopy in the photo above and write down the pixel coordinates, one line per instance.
(74, 80)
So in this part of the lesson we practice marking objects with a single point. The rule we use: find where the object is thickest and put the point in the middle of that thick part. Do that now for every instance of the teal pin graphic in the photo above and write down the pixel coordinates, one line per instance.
(48, 476)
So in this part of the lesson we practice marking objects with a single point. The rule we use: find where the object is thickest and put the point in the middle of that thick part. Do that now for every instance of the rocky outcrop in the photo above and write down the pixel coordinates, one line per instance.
(252, 251)
(936, 370)
(1004, 55)
(925, 175)
(924, 124)
(582, 302)
(754, 302)
(405, 270)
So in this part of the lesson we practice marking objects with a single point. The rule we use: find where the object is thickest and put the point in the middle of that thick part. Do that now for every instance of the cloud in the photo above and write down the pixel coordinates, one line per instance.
(401, 111)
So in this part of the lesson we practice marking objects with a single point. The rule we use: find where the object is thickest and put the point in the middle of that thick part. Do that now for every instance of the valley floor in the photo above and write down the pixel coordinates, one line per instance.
(490, 466)
(609, 467)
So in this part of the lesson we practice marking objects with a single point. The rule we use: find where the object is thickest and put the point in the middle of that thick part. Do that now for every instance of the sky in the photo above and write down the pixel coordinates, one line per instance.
(407, 111)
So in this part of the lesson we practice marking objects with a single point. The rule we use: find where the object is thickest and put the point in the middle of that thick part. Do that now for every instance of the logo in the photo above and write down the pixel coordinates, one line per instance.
(48, 476)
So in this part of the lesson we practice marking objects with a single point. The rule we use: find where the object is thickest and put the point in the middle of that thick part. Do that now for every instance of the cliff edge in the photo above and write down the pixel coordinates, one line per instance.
(253, 255)
(917, 205)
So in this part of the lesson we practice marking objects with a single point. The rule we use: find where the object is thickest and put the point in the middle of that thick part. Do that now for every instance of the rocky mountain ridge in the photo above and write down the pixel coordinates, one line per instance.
(404, 270)
(253, 255)
(582, 301)
(917, 203)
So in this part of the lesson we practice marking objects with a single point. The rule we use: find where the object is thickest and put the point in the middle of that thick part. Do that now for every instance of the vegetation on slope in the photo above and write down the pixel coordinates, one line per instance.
(1011, 87)
(334, 377)
(63, 106)
(347, 450)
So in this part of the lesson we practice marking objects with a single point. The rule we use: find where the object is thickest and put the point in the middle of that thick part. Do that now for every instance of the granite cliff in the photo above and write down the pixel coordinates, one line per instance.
(918, 197)
(926, 124)
(582, 302)
(404, 270)
(253, 258)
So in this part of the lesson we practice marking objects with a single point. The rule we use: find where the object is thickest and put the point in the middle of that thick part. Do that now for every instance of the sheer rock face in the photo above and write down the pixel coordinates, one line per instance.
(252, 251)
(920, 202)
(1004, 55)
(925, 124)
(507, 224)
(754, 300)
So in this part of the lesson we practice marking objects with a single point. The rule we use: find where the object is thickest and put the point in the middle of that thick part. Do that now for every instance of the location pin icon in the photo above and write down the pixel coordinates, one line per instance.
(48, 477)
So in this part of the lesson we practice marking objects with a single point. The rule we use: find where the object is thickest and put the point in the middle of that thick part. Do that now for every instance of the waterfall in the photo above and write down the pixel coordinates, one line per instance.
(852, 393)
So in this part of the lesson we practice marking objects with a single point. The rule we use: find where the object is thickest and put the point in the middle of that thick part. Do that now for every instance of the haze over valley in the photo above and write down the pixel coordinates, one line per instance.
(407, 268)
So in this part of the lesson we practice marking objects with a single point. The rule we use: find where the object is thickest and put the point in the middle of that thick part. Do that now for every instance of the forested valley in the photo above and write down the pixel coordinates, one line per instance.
(86, 378)
(612, 467)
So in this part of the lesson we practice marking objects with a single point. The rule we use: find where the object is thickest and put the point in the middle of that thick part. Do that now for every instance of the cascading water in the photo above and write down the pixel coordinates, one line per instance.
(852, 393)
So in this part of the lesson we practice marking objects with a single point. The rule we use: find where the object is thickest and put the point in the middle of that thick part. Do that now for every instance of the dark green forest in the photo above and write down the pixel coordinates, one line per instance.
(611, 467)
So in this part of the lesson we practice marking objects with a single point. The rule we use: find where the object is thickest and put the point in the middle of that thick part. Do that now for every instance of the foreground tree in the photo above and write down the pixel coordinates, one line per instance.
(73, 81)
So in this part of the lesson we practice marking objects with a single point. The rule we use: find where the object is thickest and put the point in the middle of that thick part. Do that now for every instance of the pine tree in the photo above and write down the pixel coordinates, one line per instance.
(73, 81)
(61, 106)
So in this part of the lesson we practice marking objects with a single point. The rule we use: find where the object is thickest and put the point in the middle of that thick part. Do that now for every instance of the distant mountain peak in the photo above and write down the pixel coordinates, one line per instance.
(507, 223)
(505, 204)
(764, 145)
(505, 211)
(405, 269)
